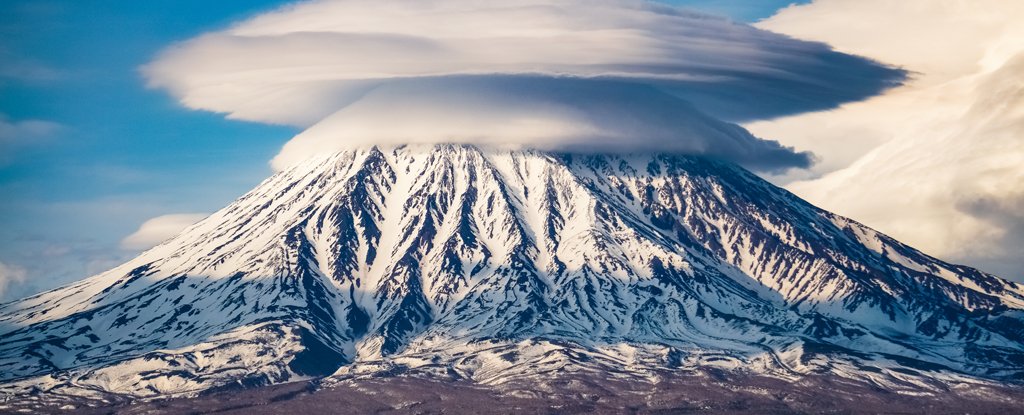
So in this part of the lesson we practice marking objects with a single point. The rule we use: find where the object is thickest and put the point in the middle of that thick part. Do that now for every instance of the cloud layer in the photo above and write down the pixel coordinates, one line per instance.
(939, 162)
(446, 65)
(577, 115)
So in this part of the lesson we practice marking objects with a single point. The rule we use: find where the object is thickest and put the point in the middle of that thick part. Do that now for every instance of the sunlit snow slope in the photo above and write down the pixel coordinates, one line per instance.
(496, 265)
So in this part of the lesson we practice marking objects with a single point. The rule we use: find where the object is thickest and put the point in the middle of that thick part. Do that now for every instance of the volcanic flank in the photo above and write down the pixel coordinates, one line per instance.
(504, 266)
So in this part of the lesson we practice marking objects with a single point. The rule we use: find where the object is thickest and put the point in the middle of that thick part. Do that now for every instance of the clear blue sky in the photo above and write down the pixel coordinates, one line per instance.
(87, 152)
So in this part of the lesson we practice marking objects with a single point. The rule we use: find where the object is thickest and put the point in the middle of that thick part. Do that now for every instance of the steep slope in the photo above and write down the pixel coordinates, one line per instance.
(499, 266)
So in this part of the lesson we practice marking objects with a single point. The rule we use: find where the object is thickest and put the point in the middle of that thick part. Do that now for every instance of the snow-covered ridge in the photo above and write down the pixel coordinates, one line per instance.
(500, 264)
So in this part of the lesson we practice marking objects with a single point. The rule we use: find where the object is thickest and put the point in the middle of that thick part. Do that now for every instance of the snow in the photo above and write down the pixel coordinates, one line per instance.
(559, 265)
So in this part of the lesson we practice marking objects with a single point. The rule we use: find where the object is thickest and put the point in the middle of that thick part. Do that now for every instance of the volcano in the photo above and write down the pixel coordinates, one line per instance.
(501, 266)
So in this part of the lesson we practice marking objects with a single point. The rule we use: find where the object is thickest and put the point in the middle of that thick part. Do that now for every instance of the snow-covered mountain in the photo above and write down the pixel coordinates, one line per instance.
(503, 265)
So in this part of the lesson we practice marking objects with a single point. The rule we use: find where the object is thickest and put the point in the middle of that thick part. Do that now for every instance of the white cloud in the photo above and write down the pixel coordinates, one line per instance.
(564, 115)
(10, 274)
(161, 228)
(939, 162)
(462, 70)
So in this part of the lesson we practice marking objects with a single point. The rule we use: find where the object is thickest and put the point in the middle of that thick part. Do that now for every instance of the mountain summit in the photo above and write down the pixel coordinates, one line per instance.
(503, 265)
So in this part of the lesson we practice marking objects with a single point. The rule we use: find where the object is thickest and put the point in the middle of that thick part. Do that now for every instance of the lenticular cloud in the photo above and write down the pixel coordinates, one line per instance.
(608, 75)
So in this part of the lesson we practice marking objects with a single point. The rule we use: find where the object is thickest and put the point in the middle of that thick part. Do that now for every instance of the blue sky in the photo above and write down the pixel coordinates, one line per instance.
(89, 152)
(122, 153)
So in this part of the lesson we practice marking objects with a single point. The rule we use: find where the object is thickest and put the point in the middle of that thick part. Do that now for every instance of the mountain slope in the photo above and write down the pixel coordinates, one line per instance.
(500, 266)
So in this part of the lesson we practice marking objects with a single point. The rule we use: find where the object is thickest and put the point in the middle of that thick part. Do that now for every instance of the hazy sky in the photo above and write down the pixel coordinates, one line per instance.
(94, 165)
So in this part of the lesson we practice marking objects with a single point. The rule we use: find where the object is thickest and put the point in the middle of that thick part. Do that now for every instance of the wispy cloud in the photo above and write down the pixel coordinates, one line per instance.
(938, 163)
(611, 74)
(25, 130)
(15, 135)
(21, 69)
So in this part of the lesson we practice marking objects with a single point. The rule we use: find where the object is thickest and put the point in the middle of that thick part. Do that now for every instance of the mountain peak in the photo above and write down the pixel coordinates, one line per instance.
(498, 264)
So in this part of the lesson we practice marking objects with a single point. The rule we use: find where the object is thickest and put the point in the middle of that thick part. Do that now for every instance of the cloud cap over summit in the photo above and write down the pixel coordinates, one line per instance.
(302, 63)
